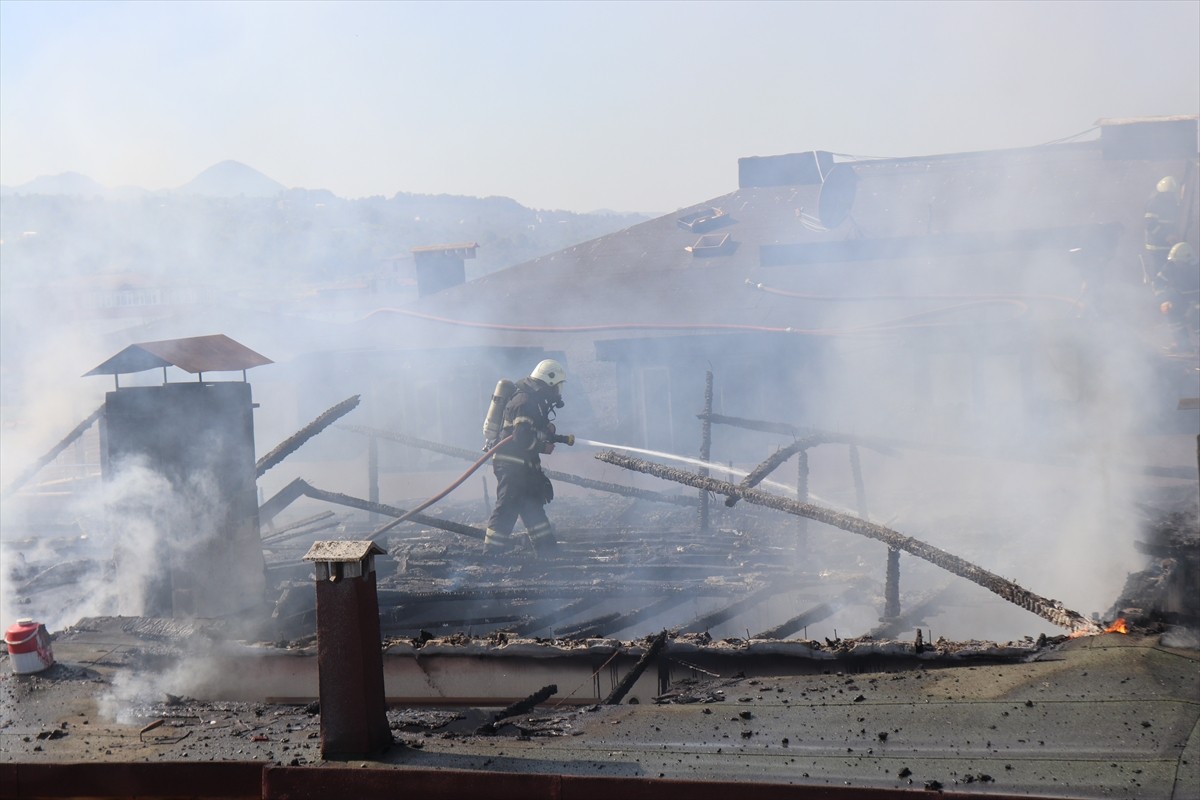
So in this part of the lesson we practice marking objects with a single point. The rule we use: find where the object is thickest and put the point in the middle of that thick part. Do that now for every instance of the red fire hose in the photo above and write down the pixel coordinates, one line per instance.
(471, 471)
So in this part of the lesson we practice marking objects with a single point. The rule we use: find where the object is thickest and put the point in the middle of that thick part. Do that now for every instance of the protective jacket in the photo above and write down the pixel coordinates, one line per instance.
(527, 420)
(1162, 223)
(522, 489)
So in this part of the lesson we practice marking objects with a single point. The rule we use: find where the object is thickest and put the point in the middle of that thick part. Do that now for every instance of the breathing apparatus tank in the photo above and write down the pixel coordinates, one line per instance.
(494, 420)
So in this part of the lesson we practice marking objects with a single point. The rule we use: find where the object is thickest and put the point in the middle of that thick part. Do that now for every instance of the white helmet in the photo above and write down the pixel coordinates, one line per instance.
(1181, 253)
(1168, 184)
(549, 372)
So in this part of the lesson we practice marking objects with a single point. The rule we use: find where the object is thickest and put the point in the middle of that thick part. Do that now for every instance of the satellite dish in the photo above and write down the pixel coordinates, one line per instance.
(837, 195)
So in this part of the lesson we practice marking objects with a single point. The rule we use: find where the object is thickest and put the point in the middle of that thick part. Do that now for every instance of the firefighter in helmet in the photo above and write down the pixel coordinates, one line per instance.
(1162, 224)
(522, 489)
(1177, 287)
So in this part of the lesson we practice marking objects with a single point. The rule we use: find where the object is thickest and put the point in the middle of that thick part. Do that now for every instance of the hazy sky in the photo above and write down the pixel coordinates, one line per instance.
(631, 106)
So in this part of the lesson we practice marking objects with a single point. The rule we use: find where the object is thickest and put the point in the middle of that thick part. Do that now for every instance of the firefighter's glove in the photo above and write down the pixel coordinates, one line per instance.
(546, 439)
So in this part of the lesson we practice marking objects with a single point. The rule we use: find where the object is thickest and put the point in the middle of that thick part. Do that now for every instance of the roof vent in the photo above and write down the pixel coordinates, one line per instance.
(711, 244)
(703, 220)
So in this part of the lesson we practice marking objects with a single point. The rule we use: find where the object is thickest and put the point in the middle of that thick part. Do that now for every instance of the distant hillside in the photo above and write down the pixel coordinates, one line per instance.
(231, 179)
(68, 183)
(223, 232)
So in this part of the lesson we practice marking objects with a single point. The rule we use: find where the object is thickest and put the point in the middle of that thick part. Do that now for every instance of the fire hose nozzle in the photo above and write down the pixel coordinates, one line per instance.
(567, 439)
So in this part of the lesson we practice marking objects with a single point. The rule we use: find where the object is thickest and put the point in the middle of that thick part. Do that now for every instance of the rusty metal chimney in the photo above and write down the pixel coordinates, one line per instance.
(349, 653)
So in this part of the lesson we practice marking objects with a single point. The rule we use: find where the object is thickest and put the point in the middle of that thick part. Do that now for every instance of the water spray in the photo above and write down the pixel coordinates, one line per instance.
(696, 462)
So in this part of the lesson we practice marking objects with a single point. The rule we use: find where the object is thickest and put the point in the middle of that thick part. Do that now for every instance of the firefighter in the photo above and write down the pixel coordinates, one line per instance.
(1177, 287)
(1162, 223)
(522, 489)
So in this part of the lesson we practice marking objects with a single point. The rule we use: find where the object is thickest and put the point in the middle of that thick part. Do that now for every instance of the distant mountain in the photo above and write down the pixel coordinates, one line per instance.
(231, 179)
(68, 183)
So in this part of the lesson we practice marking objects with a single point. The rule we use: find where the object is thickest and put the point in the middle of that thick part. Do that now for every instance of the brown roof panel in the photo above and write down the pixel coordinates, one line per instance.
(196, 354)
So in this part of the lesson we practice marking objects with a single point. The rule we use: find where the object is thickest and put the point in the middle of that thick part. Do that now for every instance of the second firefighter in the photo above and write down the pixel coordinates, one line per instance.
(522, 489)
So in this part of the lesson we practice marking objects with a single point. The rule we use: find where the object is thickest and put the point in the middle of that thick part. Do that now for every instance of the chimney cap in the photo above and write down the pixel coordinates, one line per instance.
(341, 551)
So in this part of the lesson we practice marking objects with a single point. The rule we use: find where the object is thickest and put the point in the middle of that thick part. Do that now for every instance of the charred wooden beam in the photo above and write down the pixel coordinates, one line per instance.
(775, 460)
(804, 443)
(622, 688)
(470, 455)
(305, 527)
(622, 621)
(546, 620)
(918, 608)
(519, 707)
(726, 613)
(53, 453)
(395, 621)
(589, 628)
(383, 508)
(567, 590)
(281, 500)
(1048, 609)
(302, 523)
(812, 616)
(293, 442)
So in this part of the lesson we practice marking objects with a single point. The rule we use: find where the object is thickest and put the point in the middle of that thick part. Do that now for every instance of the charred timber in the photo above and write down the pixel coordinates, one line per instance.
(53, 452)
(293, 442)
(590, 628)
(703, 623)
(812, 616)
(308, 528)
(397, 621)
(613, 623)
(632, 618)
(1050, 610)
(520, 707)
(780, 456)
(470, 455)
(566, 590)
(281, 500)
(546, 620)
(928, 603)
(775, 460)
(383, 508)
(621, 689)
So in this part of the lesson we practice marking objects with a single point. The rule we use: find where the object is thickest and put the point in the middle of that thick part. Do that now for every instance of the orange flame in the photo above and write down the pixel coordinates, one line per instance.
(1118, 626)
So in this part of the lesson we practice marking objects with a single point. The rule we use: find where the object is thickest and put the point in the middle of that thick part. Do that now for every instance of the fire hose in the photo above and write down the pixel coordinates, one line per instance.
(458, 482)
(568, 439)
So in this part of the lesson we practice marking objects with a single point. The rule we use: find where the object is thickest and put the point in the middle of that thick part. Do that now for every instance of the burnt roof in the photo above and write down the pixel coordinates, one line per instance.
(196, 354)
